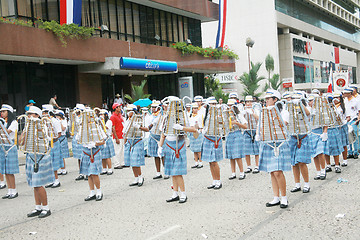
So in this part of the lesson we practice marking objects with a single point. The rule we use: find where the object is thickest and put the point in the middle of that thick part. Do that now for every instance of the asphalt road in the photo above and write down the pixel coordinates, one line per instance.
(237, 211)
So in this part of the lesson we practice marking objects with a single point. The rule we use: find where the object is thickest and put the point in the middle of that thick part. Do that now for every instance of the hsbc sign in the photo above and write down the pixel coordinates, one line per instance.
(301, 46)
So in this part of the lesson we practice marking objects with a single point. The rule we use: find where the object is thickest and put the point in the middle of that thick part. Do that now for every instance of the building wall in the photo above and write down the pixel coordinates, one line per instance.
(90, 85)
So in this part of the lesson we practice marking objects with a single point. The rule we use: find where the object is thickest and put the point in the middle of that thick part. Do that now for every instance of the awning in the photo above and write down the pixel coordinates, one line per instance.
(147, 64)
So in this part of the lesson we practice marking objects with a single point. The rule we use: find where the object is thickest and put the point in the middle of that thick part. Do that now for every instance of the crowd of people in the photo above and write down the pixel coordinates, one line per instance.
(314, 126)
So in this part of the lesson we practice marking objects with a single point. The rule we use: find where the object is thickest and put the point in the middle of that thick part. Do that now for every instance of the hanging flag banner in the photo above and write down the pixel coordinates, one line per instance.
(317, 72)
(70, 12)
(220, 37)
(341, 80)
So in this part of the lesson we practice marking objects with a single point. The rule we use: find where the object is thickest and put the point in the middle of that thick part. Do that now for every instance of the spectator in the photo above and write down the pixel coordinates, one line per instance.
(31, 103)
(118, 99)
(117, 131)
(53, 102)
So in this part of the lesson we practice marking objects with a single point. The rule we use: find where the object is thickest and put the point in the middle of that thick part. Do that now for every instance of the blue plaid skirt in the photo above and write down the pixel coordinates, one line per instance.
(234, 145)
(45, 174)
(344, 132)
(208, 151)
(318, 146)
(86, 166)
(196, 143)
(64, 147)
(135, 157)
(302, 154)
(107, 150)
(76, 148)
(55, 155)
(250, 147)
(333, 146)
(269, 163)
(9, 164)
(175, 166)
(153, 145)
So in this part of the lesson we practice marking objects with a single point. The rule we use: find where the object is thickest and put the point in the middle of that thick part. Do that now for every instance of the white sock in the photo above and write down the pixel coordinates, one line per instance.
(2, 183)
(158, 173)
(64, 170)
(9, 191)
(200, 163)
(249, 167)
(196, 163)
(214, 182)
(329, 165)
(92, 193)
(307, 185)
(140, 178)
(56, 181)
(175, 194)
(182, 195)
(45, 208)
(284, 200)
(323, 172)
(337, 166)
(110, 170)
(38, 207)
(136, 179)
(345, 161)
(275, 200)
(98, 192)
(233, 174)
(318, 173)
(242, 174)
(297, 185)
(218, 182)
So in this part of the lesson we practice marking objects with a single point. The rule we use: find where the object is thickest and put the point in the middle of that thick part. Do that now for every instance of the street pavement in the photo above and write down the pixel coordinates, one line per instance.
(237, 211)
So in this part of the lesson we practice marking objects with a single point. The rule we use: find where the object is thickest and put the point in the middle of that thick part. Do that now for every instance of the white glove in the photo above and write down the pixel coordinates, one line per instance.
(137, 126)
(159, 151)
(178, 127)
(324, 137)
(257, 137)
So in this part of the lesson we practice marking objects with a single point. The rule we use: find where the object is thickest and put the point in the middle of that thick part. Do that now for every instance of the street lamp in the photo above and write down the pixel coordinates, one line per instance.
(249, 44)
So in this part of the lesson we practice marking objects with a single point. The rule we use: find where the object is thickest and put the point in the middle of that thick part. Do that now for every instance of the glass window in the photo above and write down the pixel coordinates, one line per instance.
(157, 27)
(53, 9)
(175, 27)
(112, 16)
(136, 22)
(121, 18)
(303, 70)
(170, 28)
(150, 25)
(103, 11)
(24, 8)
(40, 9)
(143, 24)
(186, 28)
(325, 72)
(129, 29)
(7, 8)
(164, 32)
(181, 29)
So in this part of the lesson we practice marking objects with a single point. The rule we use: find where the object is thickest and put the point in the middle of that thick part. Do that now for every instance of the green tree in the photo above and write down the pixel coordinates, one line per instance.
(137, 92)
(211, 85)
(269, 64)
(251, 80)
(274, 82)
(218, 93)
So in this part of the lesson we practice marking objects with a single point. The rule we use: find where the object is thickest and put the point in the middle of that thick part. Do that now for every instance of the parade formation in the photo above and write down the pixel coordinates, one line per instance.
(282, 133)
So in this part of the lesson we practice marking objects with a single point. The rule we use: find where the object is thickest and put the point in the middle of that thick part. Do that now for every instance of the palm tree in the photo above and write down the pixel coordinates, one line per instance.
(211, 85)
(137, 92)
(218, 93)
(251, 80)
(274, 83)
(269, 64)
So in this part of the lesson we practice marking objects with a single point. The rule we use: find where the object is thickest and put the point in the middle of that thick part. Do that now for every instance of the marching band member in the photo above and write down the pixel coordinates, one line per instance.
(251, 147)
(147, 121)
(274, 163)
(212, 150)
(201, 108)
(188, 109)
(9, 163)
(107, 150)
(196, 120)
(134, 145)
(64, 147)
(175, 155)
(344, 130)
(44, 175)
(235, 140)
(76, 147)
(55, 153)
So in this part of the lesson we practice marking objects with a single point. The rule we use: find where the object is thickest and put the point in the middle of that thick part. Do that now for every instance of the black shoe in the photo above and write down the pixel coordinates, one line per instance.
(44, 214)
(211, 187)
(232, 177)
(306, 190)
(173, 199)
(49, 185)
(157, 177)
(109, 172)
(248, 170)
(284, 205)
(12, 196)
(59, 173)
(333, 164)
(133, 184)
(56, 185)
(103, 173)
(337, 170)
(2, 186)
(80, 177)
(99, 197)
(317, 177)
(350, 156)
(344, 164)
(200, 166)
(295, 189)
(195, 166)
(218, 186)
(34, 213)
(242, 177)
(124, 166)
(322, 177)
(89, 198)
(256, 170)
(118, 167)
(356, 156)
(328, 169)
(64, 173)
(6, 196)
(166, 176)
(141, 183)
(183, 200)
(86, 178)
(268, 204)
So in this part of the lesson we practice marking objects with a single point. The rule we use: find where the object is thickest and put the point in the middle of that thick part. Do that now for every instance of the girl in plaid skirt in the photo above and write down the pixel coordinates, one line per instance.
(107, 150)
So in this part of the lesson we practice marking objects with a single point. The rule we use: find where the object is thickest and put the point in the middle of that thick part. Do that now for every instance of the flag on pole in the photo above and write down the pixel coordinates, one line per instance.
(337, 59)
(220, 37)
(70, 12)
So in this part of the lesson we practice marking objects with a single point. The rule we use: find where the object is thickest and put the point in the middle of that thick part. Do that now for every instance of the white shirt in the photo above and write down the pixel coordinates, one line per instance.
(342, 115)
(197, 119)
(108, 126)
(352, 107)
(118, 100)
(13, 127)
(63, 123)
(56, 126)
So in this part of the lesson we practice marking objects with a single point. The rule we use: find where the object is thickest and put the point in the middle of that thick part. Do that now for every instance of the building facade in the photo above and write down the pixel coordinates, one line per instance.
(35, 65)
(287, 29)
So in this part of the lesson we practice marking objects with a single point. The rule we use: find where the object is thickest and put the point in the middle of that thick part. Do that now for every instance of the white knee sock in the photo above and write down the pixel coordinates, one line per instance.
(275, 200)
(284, 200)
(98, 192)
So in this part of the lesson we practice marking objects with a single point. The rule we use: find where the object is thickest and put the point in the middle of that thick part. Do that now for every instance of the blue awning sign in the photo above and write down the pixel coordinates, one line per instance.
(147, 64)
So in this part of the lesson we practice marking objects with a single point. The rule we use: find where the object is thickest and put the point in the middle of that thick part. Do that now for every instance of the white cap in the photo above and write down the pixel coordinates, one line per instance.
(36, 110)
(7, 107)
(47, 107)
(131, 107)
(316, 91)
(233, 94)
(348, 90)
(103, 111)
(155, 103)
(198, 98)
(249, 98)
(273, 93)
(80, 106)
(60, 112)
(194, 105)
(232, 101)
(211, 100)
(287, 94)
(188, 105)
(336, 94)
(298, 95)
(312, 97)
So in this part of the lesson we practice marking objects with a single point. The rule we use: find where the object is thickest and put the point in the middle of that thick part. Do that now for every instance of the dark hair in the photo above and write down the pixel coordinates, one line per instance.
(11, 118)
(106, 117)
(206, 114)
(342, 104)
